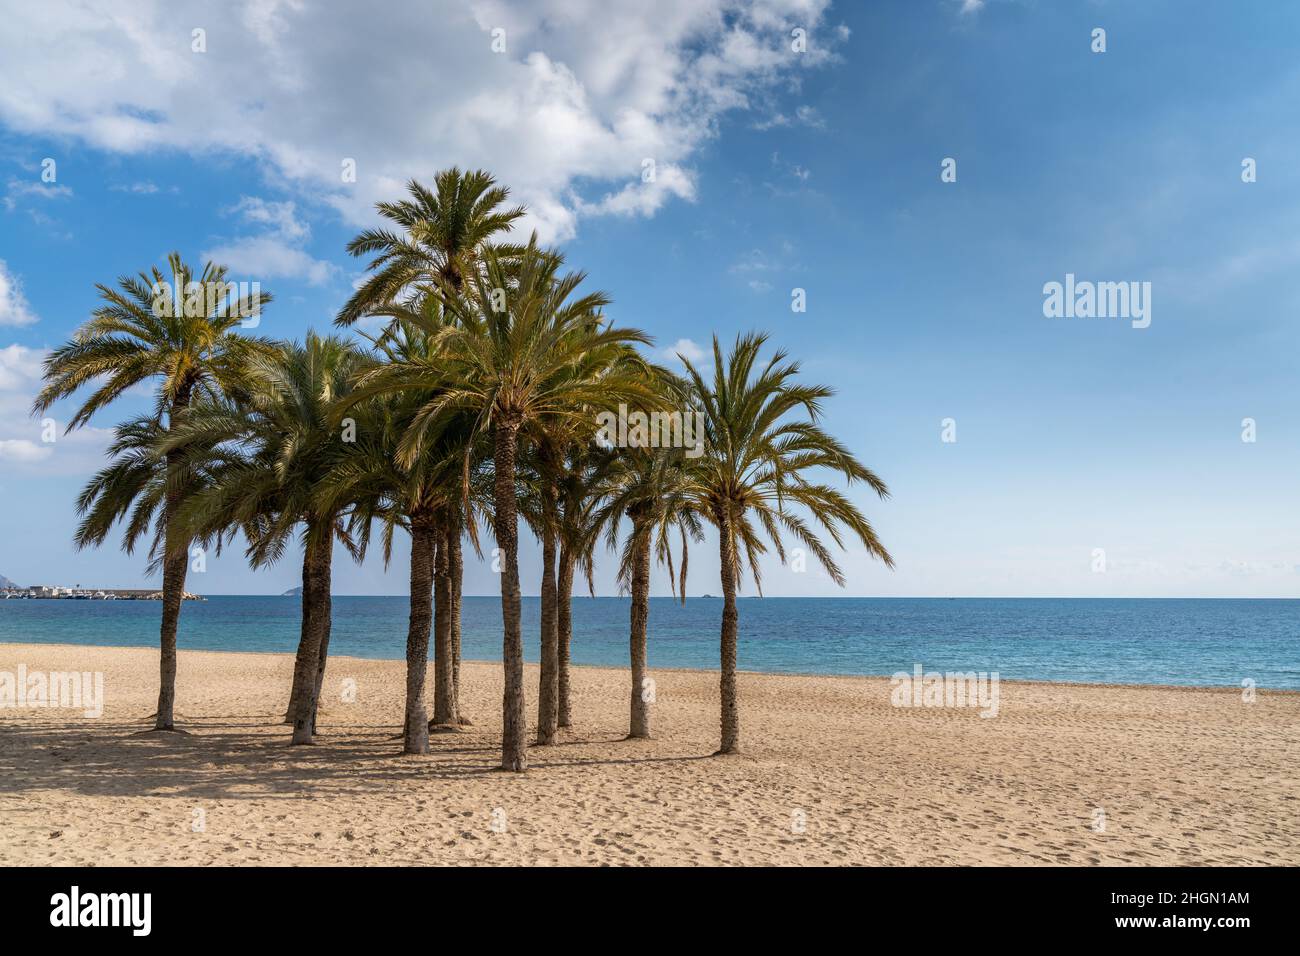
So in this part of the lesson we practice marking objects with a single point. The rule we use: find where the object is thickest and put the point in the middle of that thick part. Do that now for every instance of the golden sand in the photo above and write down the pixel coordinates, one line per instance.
(831, 774)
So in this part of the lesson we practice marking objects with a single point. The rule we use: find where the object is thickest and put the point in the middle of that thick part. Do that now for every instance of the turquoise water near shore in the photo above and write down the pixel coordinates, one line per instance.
(1128, 641)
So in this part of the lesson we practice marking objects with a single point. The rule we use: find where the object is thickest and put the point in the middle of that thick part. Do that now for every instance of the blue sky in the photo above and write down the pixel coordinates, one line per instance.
(776, 170)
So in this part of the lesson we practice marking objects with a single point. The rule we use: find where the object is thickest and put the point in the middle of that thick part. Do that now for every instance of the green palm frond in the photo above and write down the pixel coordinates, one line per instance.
(441, 237)
(762, 444)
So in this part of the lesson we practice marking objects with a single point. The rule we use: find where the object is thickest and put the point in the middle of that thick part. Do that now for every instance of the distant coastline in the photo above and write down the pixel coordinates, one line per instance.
(153, 594)
(43, 593)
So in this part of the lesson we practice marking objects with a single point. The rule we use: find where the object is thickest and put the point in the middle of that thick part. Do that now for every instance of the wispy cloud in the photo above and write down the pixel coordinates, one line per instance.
(277, 251)
(144, 188)
(14, 309)
(18, 189)
(806, 116)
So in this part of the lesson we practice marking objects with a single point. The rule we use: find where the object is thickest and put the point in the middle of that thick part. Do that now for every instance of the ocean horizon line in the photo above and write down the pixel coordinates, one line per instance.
(820, 597)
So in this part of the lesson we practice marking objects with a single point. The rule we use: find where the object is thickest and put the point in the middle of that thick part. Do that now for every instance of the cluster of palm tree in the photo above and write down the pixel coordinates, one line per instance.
(472, 401)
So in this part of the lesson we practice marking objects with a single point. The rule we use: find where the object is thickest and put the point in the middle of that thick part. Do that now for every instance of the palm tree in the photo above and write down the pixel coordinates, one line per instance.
(445, 233)
(448, 589)
(539, 506)
(398, 498)
(422, 492)
(521, 351)
(456, 565)
(288, 442)
(188, 342)
(754, 467)
(449, 567)
(653, 493)
(545, 476)
(582, 489)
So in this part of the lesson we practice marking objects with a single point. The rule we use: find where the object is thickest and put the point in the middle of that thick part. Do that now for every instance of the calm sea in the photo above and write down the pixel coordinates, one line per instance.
(1204, 642)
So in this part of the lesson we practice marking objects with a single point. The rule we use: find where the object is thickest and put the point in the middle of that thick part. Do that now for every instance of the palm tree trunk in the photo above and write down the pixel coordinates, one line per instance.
(305, 629)
(513, 718)
(322, 622)
(457, 586)
(730, 628)
(316, 584)
(549, 688)
(316, 619)
(175, 565)
(176, 561)
(564, 624)
(444, 713)
(640, 723)
(423, 538)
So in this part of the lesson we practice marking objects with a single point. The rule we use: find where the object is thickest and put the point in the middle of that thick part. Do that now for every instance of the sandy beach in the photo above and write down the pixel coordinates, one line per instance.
(831, 774)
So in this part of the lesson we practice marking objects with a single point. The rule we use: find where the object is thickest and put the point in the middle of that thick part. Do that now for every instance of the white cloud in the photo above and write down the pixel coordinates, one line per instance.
(809, 116)
(15, 189)
(803, 116)
(20, 380)
(14, 309)
(752, 261)
(279, 217)
(24, 439)
(268, 257)
(687, 349)
(144, 188)
(971, 6)
(584, 92)
(20, 367)
(22, 451)
(759, 261)
(79, 453)
(796, 170)
(277, 252)
(643, 198)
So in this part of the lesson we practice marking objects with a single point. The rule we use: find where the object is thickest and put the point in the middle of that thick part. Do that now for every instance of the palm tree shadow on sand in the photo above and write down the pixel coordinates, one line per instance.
(225, 760)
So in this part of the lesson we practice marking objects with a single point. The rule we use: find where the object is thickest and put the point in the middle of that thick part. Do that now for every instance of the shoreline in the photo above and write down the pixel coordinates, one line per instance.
(1219, 688)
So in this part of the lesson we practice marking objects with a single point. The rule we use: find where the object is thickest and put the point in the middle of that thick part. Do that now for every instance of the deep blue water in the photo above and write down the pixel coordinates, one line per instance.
(1110, 641)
